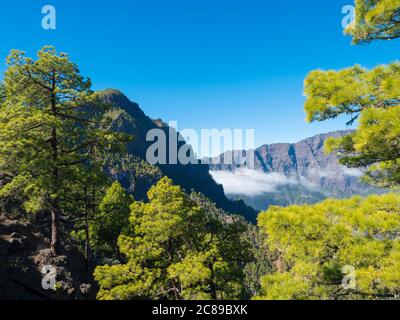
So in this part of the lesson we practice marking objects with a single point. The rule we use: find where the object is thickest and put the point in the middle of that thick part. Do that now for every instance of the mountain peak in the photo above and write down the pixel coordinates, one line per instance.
(115, 97)
(120, 100)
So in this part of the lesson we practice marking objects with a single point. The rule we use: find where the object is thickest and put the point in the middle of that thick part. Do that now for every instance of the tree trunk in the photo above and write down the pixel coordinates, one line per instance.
(55, 210)
(87, 235)
(171, 258)
(212, 284)
(54, 228)
(87, 245)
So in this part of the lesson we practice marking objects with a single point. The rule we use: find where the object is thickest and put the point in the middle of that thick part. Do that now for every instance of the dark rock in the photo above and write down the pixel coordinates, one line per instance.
(22, 259)
(16, 235)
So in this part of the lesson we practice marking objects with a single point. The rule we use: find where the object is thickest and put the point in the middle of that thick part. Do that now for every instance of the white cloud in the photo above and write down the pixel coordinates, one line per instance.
(250, 182)
(334, 172)
(308, 184)
(353, 172)
(322, 173)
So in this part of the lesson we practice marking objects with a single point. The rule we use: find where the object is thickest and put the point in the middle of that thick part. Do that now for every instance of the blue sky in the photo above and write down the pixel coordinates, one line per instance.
(204, 63)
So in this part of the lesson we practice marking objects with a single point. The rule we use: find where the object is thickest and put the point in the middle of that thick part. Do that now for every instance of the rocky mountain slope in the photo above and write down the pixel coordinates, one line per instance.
(286, 174)
(129, 118)
(23, 242)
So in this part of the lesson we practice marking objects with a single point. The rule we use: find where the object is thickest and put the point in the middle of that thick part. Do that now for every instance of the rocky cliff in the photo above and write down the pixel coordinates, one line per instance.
(129, 118)
(290, 174)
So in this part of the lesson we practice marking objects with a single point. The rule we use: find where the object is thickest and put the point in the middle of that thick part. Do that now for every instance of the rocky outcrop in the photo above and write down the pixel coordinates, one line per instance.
(312, 174)
(23, 255)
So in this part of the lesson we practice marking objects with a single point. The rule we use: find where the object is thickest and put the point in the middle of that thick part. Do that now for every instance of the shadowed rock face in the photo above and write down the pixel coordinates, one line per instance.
(313, 175)
(130, 119)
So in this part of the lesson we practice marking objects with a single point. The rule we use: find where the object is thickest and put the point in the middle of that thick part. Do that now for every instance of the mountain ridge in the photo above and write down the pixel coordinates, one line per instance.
(192, 177)
(298, 173)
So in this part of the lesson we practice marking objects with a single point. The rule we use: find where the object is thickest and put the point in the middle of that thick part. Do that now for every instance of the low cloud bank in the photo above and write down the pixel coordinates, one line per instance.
(353, 172)
(250, 182)
(253, 183)
(334, 172)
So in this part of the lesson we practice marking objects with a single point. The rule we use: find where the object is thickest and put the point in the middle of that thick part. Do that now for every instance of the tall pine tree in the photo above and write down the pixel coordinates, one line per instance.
(48, 140)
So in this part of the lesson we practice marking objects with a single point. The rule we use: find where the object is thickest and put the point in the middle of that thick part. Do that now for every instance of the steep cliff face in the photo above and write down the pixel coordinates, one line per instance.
(129, 118)
(291, 174)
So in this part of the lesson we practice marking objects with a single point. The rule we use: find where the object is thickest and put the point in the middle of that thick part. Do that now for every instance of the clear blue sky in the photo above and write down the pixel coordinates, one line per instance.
(204, 63)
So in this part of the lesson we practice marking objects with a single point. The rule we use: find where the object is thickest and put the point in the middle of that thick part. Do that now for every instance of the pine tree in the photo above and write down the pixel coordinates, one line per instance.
(375, 20)
(371, 97)
(47, 137)
(174, 250)
(319, 247)
(110, 221)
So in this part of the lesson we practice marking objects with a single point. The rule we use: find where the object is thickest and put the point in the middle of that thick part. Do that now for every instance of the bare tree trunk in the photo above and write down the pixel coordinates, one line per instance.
(87, 245)
(54, 228)
(55, 210)
(87, 235)
(212, 284)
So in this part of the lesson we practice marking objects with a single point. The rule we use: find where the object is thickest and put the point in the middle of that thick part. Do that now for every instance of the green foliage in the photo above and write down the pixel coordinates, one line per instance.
(262, 263)
(375, 144)
(141, 175)
(314, 243)
(175, 250)
(49, 144)
(350, 91)
(373, 98)
(112, 218)
(375, 20)
(2, 93)
(241, 244)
